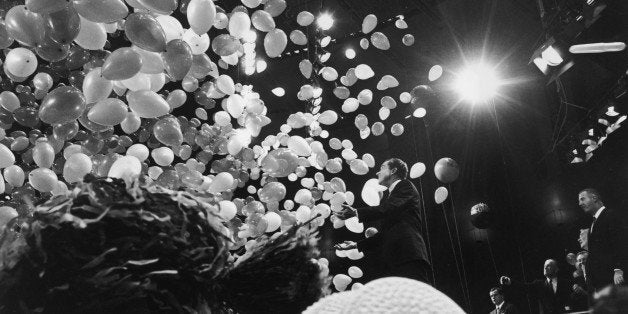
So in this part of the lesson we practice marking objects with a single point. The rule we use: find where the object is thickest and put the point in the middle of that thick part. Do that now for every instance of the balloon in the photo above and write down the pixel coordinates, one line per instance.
(275, 42)
(45, 6)
(435, 73)
(408, 40)
(305, 18)
(380, 41)
(201, 15)
(43, 179)
(96, 87)
(110, 112)
(123, 63)
(168, 131)
(350, 105)
(364, 43)
(298, 38)
(239, 24)
(101, 11)
(163, 156)
(63, 26)
(251, 3)
(405, 97)
(43, 154)
(147, 104)
(9, 101)
(6, 156)
(131, 123)
(369, 23)
(370, 192)
(303, 214)
(42, 81)
(52, 51)
(76, 167)
(328, 117)
(275, 7)
(354, 225)
(299, 146)
(272, 192)
(440, 195)
(387, 81)
(221, 183)
(14, 175)
(365, 97)
(397, 129)
(370, 232)
(65, 131)
(364, 72)
(417, 170)
(225, 84)
(25, 26)
(329, 74)
(126, 167)
(273, 221)
(279, 162)
(228, 210)
(91, 36)
(388, 102)
(162, 6)
(177, 59)
(144, 31)
(171, 26)
(305, 66)
(7, 214)
(21, 62)
(198, 44)
(571, 259)
(359, 167)
(481, 216)
(62, 105)
(355, 272)
(419, 113)
(384, 113)
(446, 170)
(225, 45)
(5, 40)
(140, 151)
(341, 281)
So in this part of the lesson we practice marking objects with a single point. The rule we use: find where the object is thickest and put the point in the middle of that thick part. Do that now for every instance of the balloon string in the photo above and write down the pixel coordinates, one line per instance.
(423, 210)
(511, 211)
(464, 269)
(490, 251)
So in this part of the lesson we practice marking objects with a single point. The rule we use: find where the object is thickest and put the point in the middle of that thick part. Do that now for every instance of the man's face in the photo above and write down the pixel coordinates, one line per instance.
(384, 174)
(496, 297)
(581, 260)
(588, 203)
(550, 268)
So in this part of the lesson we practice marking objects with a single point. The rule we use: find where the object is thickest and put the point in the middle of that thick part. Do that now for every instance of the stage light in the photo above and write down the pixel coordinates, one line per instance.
(325, 21)
(541, 64)
(551, 56)
(477, 83)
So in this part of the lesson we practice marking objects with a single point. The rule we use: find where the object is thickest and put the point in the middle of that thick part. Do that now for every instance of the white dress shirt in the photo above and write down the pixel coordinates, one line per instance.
(554, 283)
(392, 186)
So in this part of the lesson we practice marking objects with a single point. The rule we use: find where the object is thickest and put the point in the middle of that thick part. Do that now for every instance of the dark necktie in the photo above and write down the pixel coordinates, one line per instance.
(385, 195)
(592, 224)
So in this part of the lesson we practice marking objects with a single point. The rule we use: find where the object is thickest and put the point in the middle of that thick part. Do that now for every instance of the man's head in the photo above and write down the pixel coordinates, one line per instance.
(590, 201)
(497, 296)
(581, 260)
(550, 268)
(391, 170)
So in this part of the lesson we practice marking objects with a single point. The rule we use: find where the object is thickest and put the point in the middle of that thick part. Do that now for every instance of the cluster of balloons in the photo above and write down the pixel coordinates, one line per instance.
(84, 92)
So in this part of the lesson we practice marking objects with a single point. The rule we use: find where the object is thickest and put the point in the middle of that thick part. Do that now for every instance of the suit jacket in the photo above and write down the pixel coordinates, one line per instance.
(579, 301)
(548, 301)
(399, 238)
(608, 248)
(507, 308)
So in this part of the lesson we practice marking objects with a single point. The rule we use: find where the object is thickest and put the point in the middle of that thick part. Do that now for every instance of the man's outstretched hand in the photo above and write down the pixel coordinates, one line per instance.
(346, 212)
(347, 245)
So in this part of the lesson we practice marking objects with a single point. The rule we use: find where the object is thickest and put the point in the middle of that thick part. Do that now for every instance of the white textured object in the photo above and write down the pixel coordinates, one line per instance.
(387, 295)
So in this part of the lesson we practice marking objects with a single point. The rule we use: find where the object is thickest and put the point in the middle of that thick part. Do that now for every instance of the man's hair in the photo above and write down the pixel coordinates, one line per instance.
(593, 192)
(400, 165)
(582, 253)
(498, 290)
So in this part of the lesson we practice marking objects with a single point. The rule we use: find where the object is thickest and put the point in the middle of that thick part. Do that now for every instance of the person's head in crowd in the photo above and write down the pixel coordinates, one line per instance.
(391, 170)
(550, 268)
(590, 201)
(581, 260)
(611, 300)
(497, 295)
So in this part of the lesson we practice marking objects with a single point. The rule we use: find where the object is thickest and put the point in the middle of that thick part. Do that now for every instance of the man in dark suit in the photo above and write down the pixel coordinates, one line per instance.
(553, 293)
(580, 296)
(399, 239)
(501, 306)
(607, 242)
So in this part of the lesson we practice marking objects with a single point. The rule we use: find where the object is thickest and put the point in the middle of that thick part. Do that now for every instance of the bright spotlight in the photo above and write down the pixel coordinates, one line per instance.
(325, 21)
(551, 55)
(477, 83)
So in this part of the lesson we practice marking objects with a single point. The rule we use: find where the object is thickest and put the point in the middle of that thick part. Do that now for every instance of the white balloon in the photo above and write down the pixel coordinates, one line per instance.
(341, 281)
(222, 182)
(417, 170)
(364, 72)
(171, 26)
(369, 23)
(198, 44)
(440, 195)
(201, 15)
(21, 62)
(228, 209)
(43, 179)
(305, 18)
(273, 221)
(354, 225)
(355, 272)
(76, 167)
(163, 156)
(384, 113)
(239, 24)
(91, 36)
(299, 146)
(303, 214)
(435, 73)
(350, 105)
(126, 167)
(370, 192)
(139, 151)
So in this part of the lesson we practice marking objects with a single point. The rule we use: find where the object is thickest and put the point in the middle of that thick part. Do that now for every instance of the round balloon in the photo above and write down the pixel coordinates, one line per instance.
(446, 170)
(62, 105)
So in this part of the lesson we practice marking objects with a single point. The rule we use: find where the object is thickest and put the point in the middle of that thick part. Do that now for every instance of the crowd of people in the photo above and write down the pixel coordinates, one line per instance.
(599, 267)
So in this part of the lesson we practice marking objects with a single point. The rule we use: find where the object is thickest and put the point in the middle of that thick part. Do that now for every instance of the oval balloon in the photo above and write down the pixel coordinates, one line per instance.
(63, 26)
(446, 170)
(62, 105)
(25, 26)
(45, 6)
(147, 104)
(239, 24)
(123, 63)
(144, 31)
(275, 42)
(168, 131)
(440, 195)
(201, 15)
(76, 167)
(101, 11)
(43, 179)
(21, 62)
(177, 59)
(262, 21)
(91, 36)
(96, 87)
(417, 170)
(110, 112)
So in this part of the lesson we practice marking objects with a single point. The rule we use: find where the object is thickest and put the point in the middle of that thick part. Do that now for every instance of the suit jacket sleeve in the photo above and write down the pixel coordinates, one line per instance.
(371, 243)
(391, 207)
